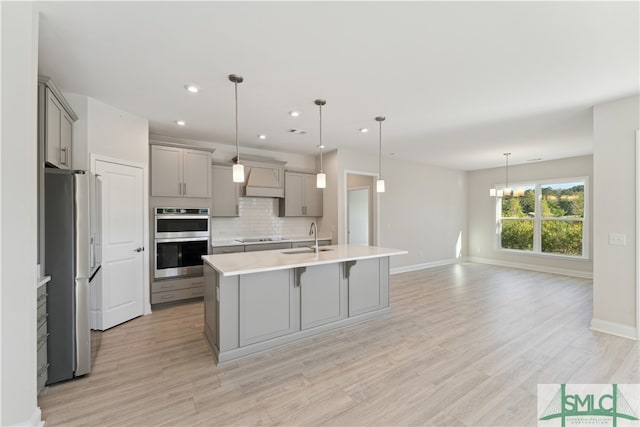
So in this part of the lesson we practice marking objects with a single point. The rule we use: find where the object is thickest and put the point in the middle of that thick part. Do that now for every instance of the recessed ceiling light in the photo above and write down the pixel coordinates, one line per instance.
(262, 136)
(190, 87)
(363, 130)
(294, 113)
(321, 146)
(181, 123)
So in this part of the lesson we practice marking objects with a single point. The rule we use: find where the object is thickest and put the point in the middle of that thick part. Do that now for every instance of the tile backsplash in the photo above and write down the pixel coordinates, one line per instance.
(259, 218)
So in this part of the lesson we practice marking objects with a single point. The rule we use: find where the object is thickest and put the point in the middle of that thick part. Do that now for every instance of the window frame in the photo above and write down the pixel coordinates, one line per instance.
(537, 219)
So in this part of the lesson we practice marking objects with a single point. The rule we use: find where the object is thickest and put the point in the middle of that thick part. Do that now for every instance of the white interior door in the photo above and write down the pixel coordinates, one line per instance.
(121, 297)
(358, 216)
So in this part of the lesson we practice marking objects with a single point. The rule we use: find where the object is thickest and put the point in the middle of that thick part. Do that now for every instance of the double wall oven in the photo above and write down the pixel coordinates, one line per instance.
(181, 238)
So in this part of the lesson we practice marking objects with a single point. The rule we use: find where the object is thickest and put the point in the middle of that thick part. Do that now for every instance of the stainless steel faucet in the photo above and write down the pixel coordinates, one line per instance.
(314, 231)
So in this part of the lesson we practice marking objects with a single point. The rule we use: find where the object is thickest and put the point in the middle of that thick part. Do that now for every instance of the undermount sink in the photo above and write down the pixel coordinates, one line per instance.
(305, 251)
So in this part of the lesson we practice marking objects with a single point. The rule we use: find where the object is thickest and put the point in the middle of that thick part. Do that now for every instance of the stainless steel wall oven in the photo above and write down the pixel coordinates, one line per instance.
(181, 238)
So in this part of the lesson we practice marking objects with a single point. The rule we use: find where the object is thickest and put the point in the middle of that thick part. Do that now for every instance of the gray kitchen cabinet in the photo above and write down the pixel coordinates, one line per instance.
(367, 285)
(55, 118)
(269, 306)
(176, 289)
(180, 172)
(301, 197)
(224, 192)
(227, 249)
(42, 363)
(267, 246)
(321, 297)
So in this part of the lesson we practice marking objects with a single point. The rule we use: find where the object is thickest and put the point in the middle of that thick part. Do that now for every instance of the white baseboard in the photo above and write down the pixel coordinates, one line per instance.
(614, 328)
(541, 268)
(416, 267)
(34, 421)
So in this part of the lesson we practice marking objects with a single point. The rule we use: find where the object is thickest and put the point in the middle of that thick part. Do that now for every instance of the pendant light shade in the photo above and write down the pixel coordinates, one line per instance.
(321, 178)
(380, 183)
(238, 169)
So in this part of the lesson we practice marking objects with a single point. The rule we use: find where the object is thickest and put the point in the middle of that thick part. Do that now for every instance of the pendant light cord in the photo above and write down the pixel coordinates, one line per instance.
(235, 84)
(380, 149)
(320, 109)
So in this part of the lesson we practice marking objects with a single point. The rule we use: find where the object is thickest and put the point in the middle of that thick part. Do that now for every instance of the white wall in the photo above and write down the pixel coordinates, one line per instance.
(18, 199)
(614, 280)
(107, 132)
(481, 214)
(423, 209)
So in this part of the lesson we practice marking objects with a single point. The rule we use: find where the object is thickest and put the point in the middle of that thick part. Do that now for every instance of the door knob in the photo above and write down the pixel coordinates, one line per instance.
(139, 249)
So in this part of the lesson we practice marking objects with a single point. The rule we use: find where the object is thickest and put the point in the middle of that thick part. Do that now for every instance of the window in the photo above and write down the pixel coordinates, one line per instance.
(544, 218)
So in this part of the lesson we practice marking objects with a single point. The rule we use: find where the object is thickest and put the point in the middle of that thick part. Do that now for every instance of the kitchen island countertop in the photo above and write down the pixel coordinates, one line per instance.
(256, 262)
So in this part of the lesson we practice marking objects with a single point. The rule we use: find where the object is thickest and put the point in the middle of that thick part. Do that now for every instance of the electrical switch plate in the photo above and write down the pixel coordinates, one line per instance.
(616, 239)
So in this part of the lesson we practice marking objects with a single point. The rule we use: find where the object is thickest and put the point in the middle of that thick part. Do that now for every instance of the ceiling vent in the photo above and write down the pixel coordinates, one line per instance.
(297, 131)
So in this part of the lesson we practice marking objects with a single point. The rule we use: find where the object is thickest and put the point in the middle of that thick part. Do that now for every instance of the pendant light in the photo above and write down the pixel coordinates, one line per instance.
(238, 169)
(380, 182)
(506, 191)
(321, 178)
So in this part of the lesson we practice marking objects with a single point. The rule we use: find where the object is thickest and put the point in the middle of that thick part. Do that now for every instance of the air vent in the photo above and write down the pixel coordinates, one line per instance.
(297, 131)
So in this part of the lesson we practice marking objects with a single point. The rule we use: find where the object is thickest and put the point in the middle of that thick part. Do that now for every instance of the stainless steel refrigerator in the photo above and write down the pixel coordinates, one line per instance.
(72, 258)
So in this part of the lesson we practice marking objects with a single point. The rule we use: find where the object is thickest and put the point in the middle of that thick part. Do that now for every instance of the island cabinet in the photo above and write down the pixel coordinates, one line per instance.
(268, 306)
(253, 304)
(323, 296)
(180, 172)
(225, 194)
(366, 291)
(301, 197)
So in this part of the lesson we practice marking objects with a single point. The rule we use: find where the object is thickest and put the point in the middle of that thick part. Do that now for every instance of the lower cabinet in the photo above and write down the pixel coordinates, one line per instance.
(268, 307)
(321, 298)
(176, 289)
(364, 282)
(42, 363)
(249, 313)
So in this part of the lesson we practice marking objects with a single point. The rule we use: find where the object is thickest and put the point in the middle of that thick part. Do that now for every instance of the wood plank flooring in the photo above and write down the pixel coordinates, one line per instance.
(465, 344)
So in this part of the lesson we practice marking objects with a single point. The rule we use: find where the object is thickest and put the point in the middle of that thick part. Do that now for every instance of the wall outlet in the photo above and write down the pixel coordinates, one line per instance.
(617, 239)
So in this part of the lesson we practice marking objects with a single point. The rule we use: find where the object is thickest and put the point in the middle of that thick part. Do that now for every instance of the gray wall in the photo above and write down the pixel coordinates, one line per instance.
(614, 271)
(18, 223)
(481, 214)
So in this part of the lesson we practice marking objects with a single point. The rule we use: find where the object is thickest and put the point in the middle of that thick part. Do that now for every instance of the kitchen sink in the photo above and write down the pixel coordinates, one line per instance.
(305, 251)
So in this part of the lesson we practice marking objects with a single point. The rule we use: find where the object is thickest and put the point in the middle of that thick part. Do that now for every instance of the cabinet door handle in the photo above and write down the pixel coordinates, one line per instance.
(184, 188)
(180, 189)
(237, 209)
(64, 150)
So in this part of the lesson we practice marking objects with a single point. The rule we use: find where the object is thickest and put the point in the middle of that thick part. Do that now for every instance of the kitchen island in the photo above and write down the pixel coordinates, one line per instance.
(254, 301)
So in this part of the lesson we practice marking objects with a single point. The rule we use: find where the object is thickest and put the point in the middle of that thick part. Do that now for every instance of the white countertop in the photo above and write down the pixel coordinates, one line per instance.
(256, 262)
(234, 242)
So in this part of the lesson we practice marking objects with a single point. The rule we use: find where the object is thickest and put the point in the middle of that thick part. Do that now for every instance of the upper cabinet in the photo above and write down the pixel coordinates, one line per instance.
(301, 197)
(224, 192)
(180, 172)
(55, 122)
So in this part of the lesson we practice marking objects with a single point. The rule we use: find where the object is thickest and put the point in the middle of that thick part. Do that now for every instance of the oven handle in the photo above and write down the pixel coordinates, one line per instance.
(173, 216)
(184, 239)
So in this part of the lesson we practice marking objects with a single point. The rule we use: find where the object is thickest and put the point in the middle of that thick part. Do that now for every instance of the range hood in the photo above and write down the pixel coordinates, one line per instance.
(264, 177)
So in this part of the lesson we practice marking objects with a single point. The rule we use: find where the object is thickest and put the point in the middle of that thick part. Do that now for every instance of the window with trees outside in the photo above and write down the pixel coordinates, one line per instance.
(544, 218)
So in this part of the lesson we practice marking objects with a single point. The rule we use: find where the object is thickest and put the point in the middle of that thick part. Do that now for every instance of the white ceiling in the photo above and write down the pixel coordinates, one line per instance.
(459, 82)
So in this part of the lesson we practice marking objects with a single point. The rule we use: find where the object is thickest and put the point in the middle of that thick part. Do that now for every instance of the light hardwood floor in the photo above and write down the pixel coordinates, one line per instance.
(465, 344)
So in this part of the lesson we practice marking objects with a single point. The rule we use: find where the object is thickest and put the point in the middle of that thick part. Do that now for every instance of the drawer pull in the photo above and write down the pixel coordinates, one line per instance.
(43, 338)
(43, 369)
